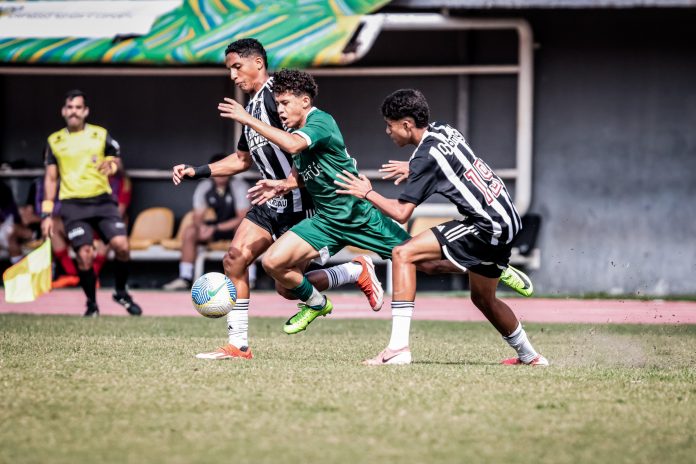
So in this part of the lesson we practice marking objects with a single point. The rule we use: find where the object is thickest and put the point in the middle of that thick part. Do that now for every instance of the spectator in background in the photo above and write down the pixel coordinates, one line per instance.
(11, 229)
(83, 156)
(227, 197)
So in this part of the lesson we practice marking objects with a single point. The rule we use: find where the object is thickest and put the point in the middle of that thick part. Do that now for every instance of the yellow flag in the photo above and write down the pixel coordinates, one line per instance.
(30, 277)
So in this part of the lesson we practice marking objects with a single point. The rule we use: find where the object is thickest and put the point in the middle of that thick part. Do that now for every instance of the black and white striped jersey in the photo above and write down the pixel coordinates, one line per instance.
(444, 163)
(273, 162)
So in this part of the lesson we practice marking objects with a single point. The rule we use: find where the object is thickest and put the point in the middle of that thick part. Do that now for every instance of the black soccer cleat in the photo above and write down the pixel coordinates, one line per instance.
(125, 300)
(92, 309)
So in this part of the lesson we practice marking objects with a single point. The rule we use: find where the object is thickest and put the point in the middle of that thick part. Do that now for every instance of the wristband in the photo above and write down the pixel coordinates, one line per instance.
(366, 193)
(200, 172)
(47, 207)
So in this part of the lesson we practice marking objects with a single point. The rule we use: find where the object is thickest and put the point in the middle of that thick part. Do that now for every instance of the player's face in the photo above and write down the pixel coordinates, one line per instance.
(399, 131)
(293, 109)
(75, 112)
(245, 72)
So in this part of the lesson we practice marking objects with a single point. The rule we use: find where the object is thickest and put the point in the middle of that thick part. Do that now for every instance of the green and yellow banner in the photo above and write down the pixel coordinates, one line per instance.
(297, 34)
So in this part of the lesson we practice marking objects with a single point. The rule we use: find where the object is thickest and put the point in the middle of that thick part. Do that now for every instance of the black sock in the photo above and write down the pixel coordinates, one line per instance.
(88, 282)
(121, 275)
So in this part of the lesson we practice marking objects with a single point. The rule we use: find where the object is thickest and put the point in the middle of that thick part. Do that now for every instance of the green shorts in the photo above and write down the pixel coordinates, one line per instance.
(377, 233)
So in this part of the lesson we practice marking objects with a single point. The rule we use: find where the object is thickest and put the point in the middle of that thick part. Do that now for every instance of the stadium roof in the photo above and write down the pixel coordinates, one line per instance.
(190, 32)
(525, 4)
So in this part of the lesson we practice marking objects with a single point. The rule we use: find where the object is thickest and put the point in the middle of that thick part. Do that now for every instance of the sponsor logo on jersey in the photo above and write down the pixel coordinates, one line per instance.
(312, 171)
(76, 232)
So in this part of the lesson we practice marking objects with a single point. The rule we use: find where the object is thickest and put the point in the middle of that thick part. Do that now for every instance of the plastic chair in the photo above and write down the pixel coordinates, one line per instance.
(151, 227)
(175, 243)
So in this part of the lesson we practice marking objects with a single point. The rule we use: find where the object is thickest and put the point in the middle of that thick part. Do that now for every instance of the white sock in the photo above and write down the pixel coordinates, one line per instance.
(402, 311)
(342, 274)
(315, 299)
(519, 341)
(186, 270)
(238, 324)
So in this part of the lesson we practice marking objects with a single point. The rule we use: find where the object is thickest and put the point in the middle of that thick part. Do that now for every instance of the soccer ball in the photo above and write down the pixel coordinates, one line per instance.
(213, 295)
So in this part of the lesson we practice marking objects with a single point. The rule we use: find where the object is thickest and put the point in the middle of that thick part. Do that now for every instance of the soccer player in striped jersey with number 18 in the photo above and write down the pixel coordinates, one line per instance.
(443, 163)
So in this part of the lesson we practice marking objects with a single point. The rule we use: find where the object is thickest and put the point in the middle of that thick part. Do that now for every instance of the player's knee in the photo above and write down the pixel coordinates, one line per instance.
(272, 263)
(401, 254)
(85, 256)
(120, 247)
(234, 262)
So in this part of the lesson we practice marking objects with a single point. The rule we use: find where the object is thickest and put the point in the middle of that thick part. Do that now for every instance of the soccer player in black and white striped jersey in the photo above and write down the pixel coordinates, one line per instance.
(444, 163)
(247, 62)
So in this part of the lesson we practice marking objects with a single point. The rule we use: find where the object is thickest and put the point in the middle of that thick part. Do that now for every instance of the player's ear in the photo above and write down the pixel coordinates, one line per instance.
(259, 63)
(86, 111)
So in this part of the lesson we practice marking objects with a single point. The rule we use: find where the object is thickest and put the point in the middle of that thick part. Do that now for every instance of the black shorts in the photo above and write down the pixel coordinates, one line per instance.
(82, 216)
(461, 245)
(275, 223)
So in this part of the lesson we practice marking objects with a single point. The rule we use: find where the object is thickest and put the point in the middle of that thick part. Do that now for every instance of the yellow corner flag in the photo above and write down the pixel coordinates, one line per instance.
(30, 277)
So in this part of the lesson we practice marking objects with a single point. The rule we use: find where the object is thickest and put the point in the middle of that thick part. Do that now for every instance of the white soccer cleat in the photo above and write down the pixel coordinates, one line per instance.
(388, 356)
(539, 361)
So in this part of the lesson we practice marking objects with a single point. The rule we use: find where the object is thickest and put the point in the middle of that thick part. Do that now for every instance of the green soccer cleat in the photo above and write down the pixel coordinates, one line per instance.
(305, 316)
(517, 280)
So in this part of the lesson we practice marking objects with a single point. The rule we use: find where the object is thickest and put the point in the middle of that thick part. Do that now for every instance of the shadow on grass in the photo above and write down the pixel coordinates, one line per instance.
(456, 363)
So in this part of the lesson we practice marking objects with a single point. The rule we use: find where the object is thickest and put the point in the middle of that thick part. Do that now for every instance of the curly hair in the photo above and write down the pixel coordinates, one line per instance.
(296, 82)
(246, 48)
(406, 103)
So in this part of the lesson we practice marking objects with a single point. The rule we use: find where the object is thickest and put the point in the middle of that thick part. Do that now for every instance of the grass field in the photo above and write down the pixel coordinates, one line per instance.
(130, 390)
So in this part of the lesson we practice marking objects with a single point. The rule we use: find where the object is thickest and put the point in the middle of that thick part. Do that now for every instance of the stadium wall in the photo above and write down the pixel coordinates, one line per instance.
(614, 139)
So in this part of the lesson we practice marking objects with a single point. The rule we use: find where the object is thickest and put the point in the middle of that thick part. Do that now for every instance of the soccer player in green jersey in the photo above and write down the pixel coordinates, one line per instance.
(319, 154)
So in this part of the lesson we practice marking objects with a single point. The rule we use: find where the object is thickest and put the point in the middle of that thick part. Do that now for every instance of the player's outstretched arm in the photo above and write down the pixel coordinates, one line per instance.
(361, 187)
(288, 142)
(397, 170)
(229, 166)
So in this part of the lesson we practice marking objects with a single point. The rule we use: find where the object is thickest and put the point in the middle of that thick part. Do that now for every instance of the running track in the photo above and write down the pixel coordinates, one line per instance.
(354, 305)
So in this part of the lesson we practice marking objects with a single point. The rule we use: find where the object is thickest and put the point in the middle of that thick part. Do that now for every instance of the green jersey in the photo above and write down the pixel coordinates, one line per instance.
(318, 165)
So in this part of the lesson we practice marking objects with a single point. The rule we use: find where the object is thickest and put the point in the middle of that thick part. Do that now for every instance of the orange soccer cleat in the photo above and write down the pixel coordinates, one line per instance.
(369, 284)
(227, 352)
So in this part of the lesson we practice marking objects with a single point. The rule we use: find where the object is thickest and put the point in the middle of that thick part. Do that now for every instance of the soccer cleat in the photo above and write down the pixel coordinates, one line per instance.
(66, 281)
(177, 284)
(368, 282)
(227, 352)
(305, 316)
(538, 361)
(92, 309)
(517, 280)
(388, 356)
(125, 300)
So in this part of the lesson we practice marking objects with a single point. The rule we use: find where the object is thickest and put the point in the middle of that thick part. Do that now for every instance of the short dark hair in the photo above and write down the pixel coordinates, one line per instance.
(296, 82)
(247, 47)
(406, 103)
(217, 157)
(74, 93)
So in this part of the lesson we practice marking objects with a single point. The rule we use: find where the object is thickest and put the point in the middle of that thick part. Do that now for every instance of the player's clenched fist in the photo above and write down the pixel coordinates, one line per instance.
(180, 171)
